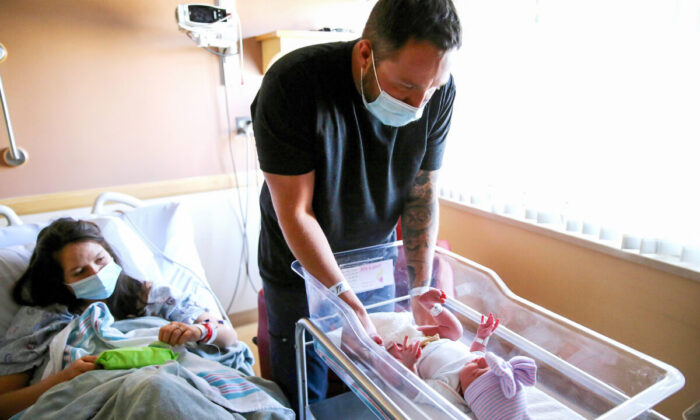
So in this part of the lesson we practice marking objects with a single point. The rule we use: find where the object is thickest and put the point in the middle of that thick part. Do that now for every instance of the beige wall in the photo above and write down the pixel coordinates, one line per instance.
(106, 93)
(649, 310)
(109, 92)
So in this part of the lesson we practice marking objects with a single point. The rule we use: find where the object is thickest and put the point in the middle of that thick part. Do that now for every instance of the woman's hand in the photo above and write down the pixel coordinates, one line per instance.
(178, 333)
(487, 328)
(78, 367)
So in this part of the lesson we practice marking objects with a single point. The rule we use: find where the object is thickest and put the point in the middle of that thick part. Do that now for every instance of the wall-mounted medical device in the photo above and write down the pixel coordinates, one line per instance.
(217, 29)
(209, 26)
(13, 155)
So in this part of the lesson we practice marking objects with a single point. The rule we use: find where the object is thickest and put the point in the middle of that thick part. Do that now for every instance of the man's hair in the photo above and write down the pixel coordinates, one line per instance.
(392, 23)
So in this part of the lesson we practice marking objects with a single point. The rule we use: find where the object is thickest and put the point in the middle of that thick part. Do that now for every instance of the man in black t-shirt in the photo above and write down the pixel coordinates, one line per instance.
(350, 137)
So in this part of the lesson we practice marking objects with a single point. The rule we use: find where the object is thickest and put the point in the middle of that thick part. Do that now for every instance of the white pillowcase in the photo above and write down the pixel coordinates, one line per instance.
(19, 235)
(161, 249)
(13, 262)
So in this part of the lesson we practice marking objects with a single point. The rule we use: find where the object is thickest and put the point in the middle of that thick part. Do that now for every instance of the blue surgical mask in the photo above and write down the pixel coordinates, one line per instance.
(387, 109)
(98, 286)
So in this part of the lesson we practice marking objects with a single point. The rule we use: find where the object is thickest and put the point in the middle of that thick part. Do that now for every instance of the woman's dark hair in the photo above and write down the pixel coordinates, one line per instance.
(43, 282)
(392, 23)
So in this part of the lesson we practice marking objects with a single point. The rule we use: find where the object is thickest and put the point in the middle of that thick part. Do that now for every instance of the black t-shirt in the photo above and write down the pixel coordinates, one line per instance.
(308, 116)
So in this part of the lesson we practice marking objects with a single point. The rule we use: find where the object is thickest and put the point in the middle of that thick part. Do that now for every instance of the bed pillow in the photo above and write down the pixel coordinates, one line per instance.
(135, 257)
(13, 262)
(156, 243)
(19, 234)
(171, 238)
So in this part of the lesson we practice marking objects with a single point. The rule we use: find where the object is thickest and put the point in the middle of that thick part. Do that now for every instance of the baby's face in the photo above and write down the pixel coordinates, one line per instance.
(471, 371)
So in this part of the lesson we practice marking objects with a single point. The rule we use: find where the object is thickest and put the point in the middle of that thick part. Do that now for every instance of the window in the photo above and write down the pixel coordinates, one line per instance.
(585, 109)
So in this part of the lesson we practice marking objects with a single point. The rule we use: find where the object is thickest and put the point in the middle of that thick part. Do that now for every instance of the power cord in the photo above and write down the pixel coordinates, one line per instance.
(242, 216)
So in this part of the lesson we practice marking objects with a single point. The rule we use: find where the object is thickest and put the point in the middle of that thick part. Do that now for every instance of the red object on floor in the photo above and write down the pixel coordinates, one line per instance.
(262, 341)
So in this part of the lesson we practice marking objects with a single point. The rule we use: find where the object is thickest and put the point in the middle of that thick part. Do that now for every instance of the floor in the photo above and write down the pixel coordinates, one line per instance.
(246, 333)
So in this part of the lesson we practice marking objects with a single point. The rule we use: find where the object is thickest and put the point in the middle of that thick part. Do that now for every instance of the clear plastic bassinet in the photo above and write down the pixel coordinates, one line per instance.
(581, 374)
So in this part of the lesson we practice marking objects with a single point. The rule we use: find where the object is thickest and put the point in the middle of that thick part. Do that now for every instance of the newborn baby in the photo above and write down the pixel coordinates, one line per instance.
(467, 377)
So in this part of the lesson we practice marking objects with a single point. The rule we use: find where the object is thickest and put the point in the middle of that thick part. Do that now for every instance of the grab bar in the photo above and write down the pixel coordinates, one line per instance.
(12, 156)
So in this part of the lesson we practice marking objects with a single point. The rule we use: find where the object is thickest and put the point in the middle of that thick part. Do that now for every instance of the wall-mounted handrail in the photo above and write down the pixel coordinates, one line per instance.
(12, 156)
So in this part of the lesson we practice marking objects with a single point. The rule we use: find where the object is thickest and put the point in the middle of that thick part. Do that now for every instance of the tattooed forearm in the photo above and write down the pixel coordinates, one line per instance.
(419, 223)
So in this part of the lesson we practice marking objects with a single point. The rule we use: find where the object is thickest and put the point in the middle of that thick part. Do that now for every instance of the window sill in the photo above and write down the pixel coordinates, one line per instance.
(668, 264)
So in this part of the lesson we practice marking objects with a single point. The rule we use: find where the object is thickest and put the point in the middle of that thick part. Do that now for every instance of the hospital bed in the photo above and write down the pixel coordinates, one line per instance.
(581, 374)
(153, 242)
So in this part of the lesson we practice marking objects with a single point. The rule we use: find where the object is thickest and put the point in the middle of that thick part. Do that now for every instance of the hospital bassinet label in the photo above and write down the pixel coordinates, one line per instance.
(370, 276)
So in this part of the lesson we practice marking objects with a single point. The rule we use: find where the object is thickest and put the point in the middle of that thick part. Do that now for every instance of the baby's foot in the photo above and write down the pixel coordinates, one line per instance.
(431, 297)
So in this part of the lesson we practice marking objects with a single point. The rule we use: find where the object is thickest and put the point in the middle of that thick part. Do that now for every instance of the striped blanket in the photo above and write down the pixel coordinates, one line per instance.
(190, 387)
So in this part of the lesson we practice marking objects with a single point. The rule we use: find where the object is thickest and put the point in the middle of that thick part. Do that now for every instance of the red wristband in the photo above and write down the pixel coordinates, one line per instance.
(209, 333)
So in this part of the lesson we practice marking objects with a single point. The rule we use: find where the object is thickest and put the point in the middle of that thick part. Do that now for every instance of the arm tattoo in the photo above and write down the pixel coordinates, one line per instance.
(419, 223)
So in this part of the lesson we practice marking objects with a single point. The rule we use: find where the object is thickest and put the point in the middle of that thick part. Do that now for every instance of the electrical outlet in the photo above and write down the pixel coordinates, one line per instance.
(242, 124)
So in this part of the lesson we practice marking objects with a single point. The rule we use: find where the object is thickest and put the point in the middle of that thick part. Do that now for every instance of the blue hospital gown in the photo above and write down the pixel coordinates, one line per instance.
(25, 345)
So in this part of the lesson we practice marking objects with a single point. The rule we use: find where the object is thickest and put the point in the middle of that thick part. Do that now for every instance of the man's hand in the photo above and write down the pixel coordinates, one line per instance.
(367, 323)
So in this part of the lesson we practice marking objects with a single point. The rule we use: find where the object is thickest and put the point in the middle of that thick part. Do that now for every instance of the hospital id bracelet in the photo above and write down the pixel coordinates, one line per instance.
(436, 309)
(210, 336)
(203, 329)
(214, 331)
(417, 291)
(482, 341)
(339, 288)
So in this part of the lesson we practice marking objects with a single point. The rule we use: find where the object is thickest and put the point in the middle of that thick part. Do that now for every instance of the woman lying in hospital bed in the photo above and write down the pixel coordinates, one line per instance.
(468, 377)
(77, 302)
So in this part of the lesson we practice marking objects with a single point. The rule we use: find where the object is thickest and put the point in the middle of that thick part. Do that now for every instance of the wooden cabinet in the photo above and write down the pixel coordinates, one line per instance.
(276, 44)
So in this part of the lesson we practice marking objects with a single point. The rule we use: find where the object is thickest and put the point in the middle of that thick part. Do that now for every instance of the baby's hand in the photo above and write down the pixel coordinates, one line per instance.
(431, 297)
(487, 328)
(409, 353)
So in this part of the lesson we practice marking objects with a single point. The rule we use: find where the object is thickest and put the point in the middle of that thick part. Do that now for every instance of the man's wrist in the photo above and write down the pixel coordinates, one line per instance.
(353, 302)
(340, 288)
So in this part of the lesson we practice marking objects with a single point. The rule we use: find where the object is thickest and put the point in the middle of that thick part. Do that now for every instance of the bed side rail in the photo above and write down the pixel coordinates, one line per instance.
(10, 215)
(384, 407)
(111, 196)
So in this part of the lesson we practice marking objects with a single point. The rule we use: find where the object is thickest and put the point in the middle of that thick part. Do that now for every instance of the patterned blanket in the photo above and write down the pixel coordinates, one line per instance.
(196, 385)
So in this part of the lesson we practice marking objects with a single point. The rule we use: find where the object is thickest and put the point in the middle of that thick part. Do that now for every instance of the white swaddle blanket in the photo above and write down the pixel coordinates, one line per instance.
(394, 326)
